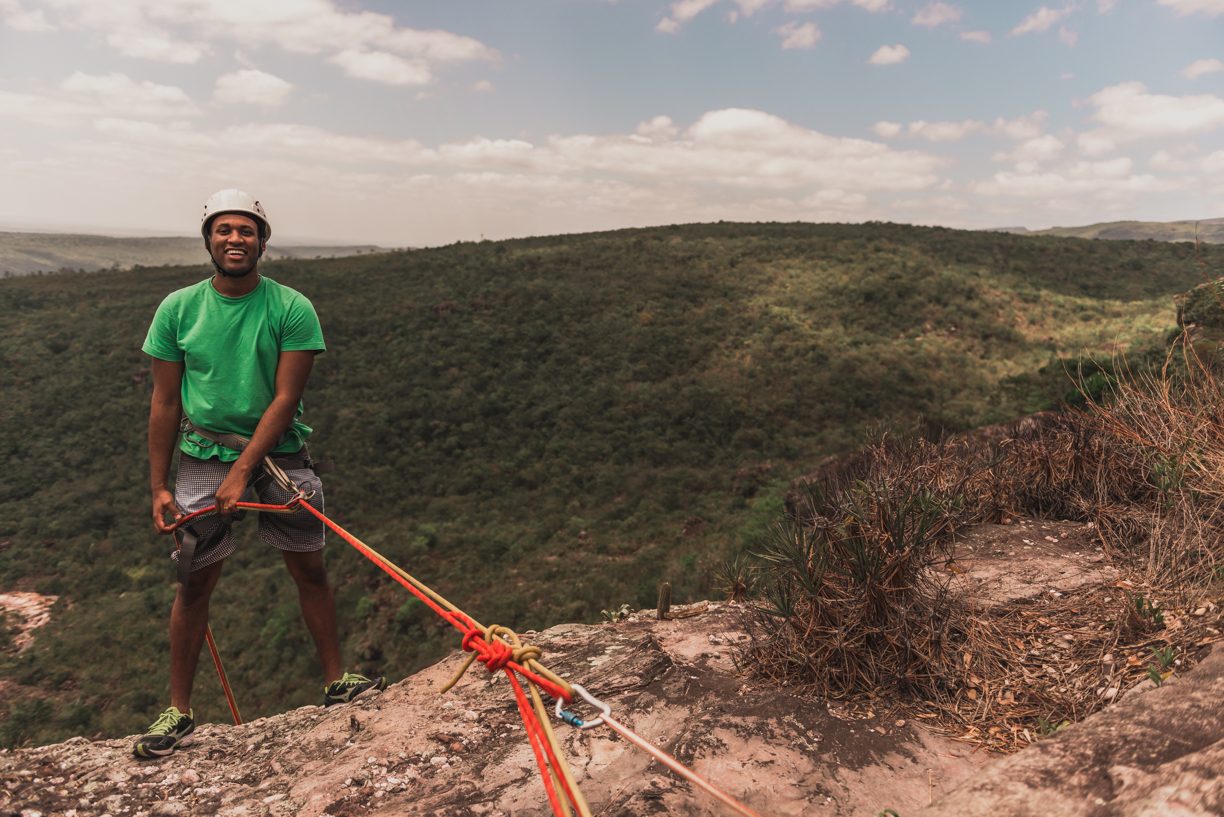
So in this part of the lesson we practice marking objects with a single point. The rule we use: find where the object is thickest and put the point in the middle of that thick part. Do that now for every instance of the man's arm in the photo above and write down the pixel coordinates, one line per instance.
(165, 410)
(292, 371)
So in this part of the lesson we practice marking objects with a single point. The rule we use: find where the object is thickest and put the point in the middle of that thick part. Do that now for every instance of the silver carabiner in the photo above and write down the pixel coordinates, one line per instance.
(574, 720)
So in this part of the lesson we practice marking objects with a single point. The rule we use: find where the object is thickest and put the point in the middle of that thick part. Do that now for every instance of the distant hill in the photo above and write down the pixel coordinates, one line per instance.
(1210, 230)
(26, 253)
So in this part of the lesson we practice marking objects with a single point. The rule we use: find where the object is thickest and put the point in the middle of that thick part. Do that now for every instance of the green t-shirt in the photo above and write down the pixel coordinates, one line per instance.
(230, 348)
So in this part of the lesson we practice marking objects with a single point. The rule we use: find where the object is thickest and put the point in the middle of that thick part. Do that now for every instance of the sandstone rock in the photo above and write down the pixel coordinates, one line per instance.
(1158, 753)
(778, 753)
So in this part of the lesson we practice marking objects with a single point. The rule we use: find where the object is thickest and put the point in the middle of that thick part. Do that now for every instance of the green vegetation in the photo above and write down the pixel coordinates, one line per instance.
(27, 253)
(530, 426)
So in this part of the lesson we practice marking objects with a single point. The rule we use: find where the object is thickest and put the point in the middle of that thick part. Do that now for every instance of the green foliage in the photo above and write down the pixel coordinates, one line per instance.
(1144, 610)
(525, 425)
(619, 614)
(1046, 728)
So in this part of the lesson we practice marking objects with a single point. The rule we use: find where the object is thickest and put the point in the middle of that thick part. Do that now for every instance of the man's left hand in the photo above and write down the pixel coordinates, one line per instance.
(231, 491)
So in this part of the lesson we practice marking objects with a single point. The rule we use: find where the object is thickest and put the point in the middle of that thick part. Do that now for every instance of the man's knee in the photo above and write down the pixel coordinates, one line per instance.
(307, 569)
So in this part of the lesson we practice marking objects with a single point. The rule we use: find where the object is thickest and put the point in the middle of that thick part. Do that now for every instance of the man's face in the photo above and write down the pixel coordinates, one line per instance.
(234, 242)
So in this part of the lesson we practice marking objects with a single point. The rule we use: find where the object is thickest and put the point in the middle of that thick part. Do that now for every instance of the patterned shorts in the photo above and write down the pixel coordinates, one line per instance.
(196, 487)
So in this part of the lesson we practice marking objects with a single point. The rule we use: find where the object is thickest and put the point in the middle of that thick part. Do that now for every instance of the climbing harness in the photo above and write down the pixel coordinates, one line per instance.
(500, 649)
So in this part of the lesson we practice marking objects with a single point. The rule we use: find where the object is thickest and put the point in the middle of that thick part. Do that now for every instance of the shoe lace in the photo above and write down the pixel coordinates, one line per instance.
(352, 679)
(165, 723)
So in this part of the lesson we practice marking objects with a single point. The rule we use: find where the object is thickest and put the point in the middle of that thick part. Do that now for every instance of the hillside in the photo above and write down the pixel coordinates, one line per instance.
(1210, 230)
(541, 428)
(26, 253)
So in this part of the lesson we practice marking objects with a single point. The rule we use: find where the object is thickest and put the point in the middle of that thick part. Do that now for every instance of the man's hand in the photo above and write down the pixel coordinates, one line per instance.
(163, 503)
(231, 491)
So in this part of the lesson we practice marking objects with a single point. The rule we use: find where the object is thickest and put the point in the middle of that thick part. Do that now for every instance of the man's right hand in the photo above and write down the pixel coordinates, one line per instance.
(163, 503)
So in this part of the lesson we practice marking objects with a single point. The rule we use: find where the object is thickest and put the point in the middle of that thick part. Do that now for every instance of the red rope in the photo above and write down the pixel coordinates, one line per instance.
(495, 654)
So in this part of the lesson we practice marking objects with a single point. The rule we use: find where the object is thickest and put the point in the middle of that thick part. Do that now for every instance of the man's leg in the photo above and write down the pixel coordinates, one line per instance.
(318, 608)
(188, 624)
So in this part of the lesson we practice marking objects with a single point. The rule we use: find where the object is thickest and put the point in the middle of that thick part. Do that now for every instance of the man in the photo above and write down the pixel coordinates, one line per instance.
(233, 353)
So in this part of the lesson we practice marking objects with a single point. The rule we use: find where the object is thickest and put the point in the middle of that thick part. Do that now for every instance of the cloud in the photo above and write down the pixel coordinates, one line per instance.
(976, 36)
(1106, 6)
(1040, 149)
(251, 87)
(1067, 36)
(731, 149)
(1101, 179)
(889, 55)
(380, 66)
(1188, 160)
(681, 11)
(81, 97)
(1041, 20)
(1127, 112)
(887, 130)
(366, 45)
(1212, 8)
(798, 36)
(1198, 68)
(18, 19)
(1023, 127)
(936, 14)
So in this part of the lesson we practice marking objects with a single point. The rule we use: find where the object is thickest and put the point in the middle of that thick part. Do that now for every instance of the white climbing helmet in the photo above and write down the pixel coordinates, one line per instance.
(234, 201)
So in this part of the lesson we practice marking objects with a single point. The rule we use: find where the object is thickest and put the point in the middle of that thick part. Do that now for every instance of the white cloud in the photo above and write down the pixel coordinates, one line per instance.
(1127, 112)
(1041, 20)
(1108, 178)
(976, 36)
(887, 130)
(365, 44)
(889, 55)
(1023, 127)
(945, 131)
(798, 36)
(1040, 149)
(1067, 35)
(681, 11)
(659, 128)
(936, 14)
(380, 66)
(252, 87)
(1188, 159)
(484, 87)
(732, 149)
(1198, 68)
(1028, 126)
(82, 97)
(1211, 8)
(18, 19)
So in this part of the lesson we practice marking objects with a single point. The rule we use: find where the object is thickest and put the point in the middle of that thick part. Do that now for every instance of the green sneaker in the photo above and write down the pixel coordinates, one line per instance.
(168, 732)
(349, 687)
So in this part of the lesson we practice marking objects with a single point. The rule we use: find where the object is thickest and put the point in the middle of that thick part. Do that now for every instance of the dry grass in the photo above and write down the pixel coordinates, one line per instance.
(855, 605)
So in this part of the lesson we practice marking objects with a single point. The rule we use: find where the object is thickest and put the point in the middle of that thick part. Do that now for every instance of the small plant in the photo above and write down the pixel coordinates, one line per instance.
(1046, 728)
(737, 578)
(620, 614)
(1145, 611)
(1165, 657)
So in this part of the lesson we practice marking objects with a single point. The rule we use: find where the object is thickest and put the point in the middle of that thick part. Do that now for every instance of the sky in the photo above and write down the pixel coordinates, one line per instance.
(425, 123)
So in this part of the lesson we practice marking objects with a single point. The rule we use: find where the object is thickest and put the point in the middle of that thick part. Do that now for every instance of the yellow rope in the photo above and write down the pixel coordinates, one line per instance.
(525, 656)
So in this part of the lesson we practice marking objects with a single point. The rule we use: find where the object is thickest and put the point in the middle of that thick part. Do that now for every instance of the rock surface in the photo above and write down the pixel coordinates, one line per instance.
(1158, 753)
(410, 750)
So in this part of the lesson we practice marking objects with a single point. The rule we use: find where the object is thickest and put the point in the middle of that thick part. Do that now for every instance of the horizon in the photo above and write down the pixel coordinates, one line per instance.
(365, 122)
